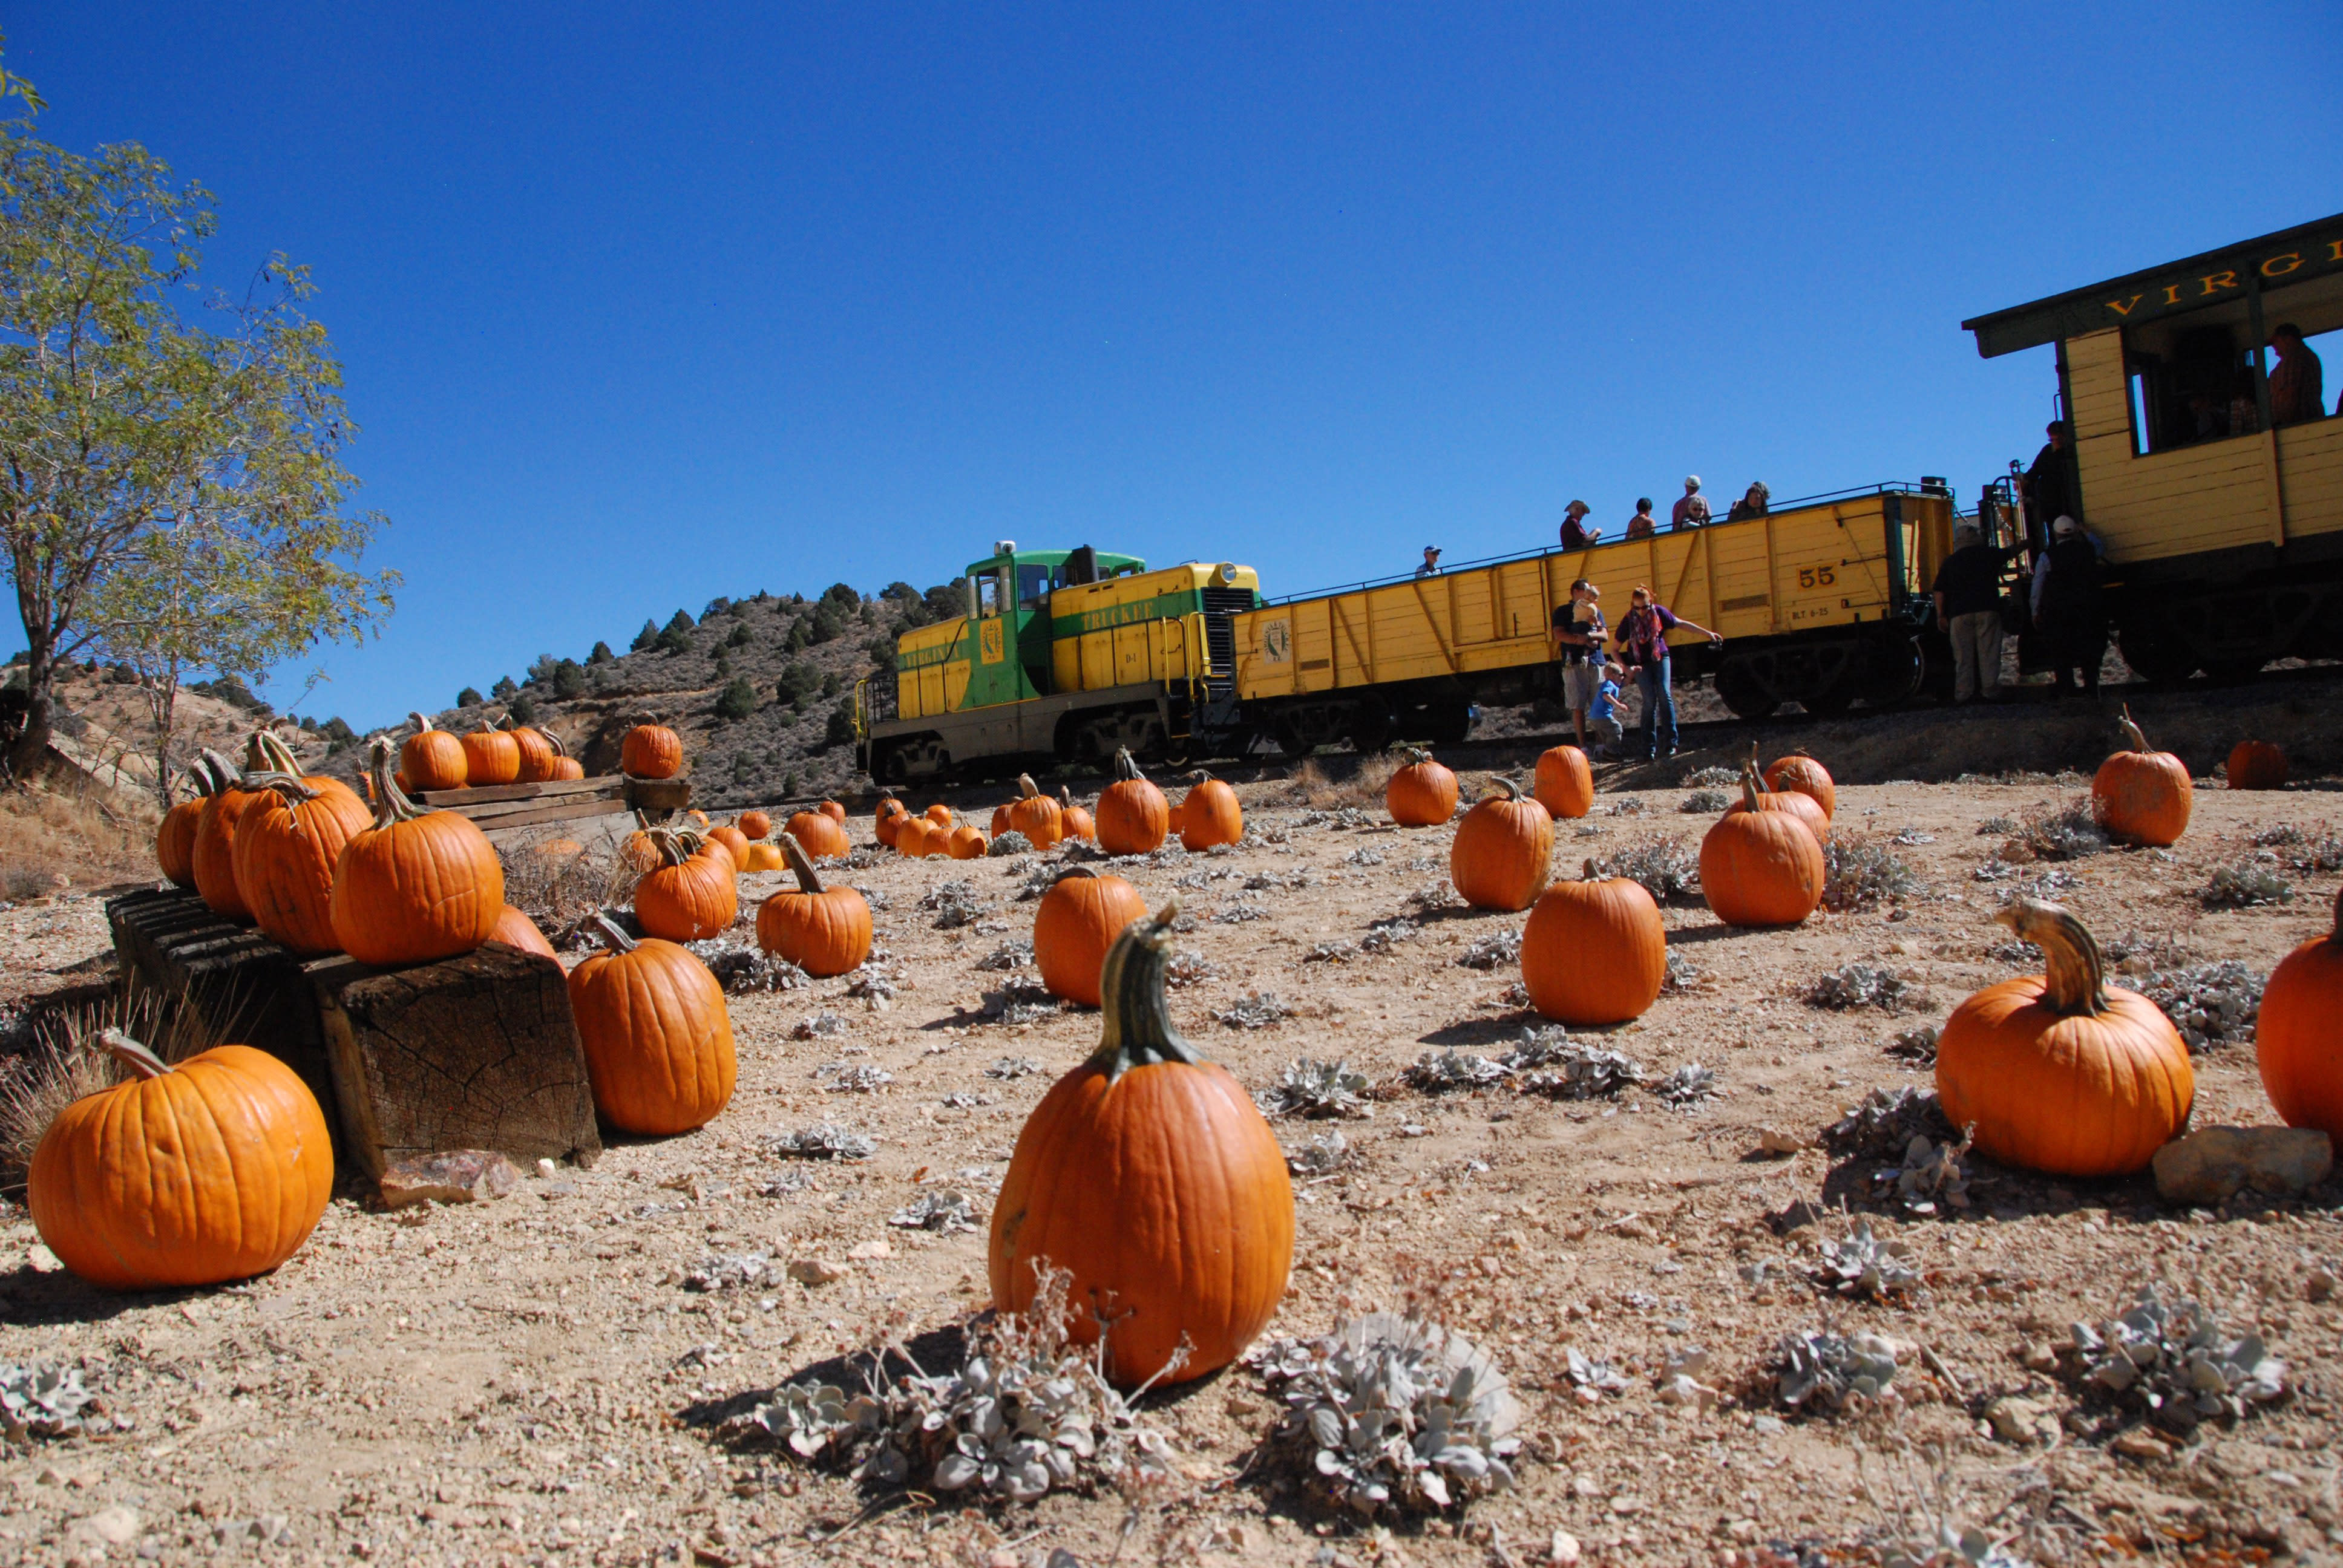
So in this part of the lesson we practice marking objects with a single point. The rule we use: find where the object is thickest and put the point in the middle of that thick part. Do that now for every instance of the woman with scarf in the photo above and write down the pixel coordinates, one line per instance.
(1642, 637)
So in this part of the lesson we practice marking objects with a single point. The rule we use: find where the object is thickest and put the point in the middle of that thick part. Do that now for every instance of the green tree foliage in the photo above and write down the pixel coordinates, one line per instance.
(738, 700)
(882, 649)
(829, 622)
(742, 637)
(680, 621)
(719, 604)
(839, 729)
(790, 783)
(946, 601)
(645, 639)
(723, 663)
(504, 688)
(171, 483)
(541, 669)
(468, 698)
(832, 683)
(797, 641)
(523, 707)
(800, 678)
(569, 679)
(601, 654)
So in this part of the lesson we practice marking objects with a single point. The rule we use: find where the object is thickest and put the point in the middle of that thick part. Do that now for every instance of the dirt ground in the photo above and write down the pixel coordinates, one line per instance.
(530, 1381)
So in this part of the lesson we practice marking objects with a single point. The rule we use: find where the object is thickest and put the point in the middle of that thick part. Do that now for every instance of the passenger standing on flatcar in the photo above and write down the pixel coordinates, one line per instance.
(1643, 639)
(1754, 503)
(1692, 511)
(2069, 613)
(1968, 591)
(2296, 392)
(1431, 567)
(1575, 533)
(1578, 629)
(2050, 482)
(1642, 525)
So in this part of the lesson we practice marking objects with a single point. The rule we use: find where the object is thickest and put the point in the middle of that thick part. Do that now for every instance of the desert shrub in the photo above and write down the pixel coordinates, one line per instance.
(737, 700)
(1860, 984)
(2247, 884)
(1859, 872)
(2069, 832)
(1703, 802)
(1669, 867)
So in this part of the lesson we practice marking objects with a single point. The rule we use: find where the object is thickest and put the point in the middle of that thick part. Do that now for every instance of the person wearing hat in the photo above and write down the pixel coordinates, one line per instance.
(1692, 511)
(1575, 533)
(1968, 591)
(1755, 502)
(2067, 608)
(1431, 567)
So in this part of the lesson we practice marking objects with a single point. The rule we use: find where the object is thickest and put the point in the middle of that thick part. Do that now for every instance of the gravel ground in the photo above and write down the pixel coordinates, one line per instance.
(533, 1380)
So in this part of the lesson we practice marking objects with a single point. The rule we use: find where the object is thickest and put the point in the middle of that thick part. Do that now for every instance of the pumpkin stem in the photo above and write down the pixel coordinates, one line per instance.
(611, 935)
(2075, 977)
(1065, 798)
(1138, 1031)
(270, 754)
(390, 802)
(1124, 767)
(1416, 756)
(677, 845)
(1065, 871)
(420, 723)
(1503, 788)
(2338, 915)
(2134, 738)
(1749, 787)
(555, 741)
(226, 775)
(1026, 787)
(801, 864)
(1591, 873)
(289, 784)
(140, 1060)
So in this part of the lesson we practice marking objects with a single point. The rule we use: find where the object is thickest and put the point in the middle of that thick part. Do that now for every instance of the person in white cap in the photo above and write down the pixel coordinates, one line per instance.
(2067, 607)
(1692, 512)
(1968, 594)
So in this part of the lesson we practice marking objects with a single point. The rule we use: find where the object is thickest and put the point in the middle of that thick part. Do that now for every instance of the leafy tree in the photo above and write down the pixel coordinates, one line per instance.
(523, 707)
(839, 729)
(680, 621)
(830, 683)
(882, 649)
(843, 597)
(673, 640)
(647, 638)
(800, 678)
(468, 698)
(742, 634)
(719, 604)
(744, 768)
(602, 654)
(504, 688)
(790, 783)
(339, 735)
(946, 601)
(829, 622)
(568, 678)
(541, 668)
(738, 700)
(170, 489)
(797, 641)
(723, 663)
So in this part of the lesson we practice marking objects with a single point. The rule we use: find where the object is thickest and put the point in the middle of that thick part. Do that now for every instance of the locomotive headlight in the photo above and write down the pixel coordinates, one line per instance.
(1227, 574)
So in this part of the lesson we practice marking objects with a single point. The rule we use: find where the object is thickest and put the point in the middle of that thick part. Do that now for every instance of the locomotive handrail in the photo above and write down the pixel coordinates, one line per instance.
(1886, 487)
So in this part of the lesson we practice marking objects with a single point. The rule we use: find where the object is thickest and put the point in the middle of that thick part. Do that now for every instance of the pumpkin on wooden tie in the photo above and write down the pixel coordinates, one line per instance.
(432, 759)
(689, 897)
(1077, 921)
(1210, 814)
(756, 824)
(2257, 764)
(288, 843)
(417, 885)
(1565, 782)
(658, 1038)
(835, 811)
(765, 857)
(1078, 823)
(491, 756)
(1035, 815)
(966, 842)
(1800, 774)
(1761, 867)
(2058, 1072)
(537, 751)
(1148, 1173)
(213, 859)
(1803, 806)
(1503, 855)
(564, 765)
(883, 822)
(2141, 794)
(213, 1170)
(823, 838)
(823, 930)
(174, 839)
(734, 843)
(1133, 818)
(1422, 794)
(2299, 1033)
(651, 751)
(515, 929)
(1594, 951)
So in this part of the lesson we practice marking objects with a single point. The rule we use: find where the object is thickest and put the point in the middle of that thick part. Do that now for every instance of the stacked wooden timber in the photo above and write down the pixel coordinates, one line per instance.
(500, 810)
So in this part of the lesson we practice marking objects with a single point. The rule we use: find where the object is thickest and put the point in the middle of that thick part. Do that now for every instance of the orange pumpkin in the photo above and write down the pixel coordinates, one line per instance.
(1803, 806)
(432, 759)
(764, 856)
(939, 814)
(734, 843)
(1594, 952)
(1133, 818)
(822, 930)
(2140, 794)
(658, 1038)
(1761, 867)
(1148, 1174)
(696, 821)
(689, 897)
(1077, 921)
(491, 756)
(288, 843)
(833, 810)
(1077, 822)
(2058, 1073)
(537, 752)
(215, 1169)
(884, 821)
(415, 885)
(515, 929)
(564, 766)
(1422, 794)
(651, 751)
(821, 837)
(1210, 814)
(214, 856)
(966, 842)
(1035, 815)
(915, 838)
(638, 852)
(1800, 774)
(2257, 764)
(2300, 1034)
(756, 824)
(1503, 854)
(174, 841)
(1001, 818)
(1565, 782)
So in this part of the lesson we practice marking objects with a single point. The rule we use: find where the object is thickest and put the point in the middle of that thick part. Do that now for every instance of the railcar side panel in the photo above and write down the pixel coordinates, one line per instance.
(2310, 466)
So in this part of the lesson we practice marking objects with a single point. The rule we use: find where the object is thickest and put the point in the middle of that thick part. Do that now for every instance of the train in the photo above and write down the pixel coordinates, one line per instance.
(2223, 550)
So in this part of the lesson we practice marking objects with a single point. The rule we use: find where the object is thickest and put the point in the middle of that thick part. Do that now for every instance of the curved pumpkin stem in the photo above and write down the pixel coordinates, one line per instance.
(611, 935)
(1064, 872)
(421, 724)
(1749, 790)
(1416, 756)
(226, 775)
(1026, 787)
(1503, 788)
(1065, 798)
(137, 1058)
(390, 802)
(677, 845)
(267, 753)
(800, 864)
(1591, 873)
(1139, 1032)
(555, 741)
(290, 785)
(487, 726)
(2134, 740)
(1125, 769)
(2075, 976)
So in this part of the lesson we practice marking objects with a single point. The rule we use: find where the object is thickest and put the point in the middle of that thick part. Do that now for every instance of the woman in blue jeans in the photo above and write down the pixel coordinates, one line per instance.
(1642, 637)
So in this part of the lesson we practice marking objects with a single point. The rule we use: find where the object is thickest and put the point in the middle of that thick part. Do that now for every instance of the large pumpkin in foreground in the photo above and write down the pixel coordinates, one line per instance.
(658, 1037)
(2056, 1072)
(1594, 952)
(1503, 854)
(417, 885)
(1760, 867)
(1149, 1176)
(215, 1169)
(2299, 1036)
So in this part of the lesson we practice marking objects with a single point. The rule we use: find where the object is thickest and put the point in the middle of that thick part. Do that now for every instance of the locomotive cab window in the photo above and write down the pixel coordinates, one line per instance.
(987, 595)
(1034, 583)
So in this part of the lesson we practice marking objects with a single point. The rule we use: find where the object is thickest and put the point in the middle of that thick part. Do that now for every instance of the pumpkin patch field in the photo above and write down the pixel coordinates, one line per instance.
(1390, 1267)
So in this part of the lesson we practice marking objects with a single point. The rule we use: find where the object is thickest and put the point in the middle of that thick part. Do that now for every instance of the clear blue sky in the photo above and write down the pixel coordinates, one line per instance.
(643, 305)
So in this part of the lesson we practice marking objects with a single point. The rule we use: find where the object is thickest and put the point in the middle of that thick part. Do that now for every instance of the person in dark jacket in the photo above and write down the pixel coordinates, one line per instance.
(2050, 482)
(1575, 533)
(2070, 614)
(1968, 591)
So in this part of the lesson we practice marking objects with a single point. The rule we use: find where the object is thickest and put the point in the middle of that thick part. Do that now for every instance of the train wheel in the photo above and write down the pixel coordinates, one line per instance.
(1738, 690)
(2157, 657)
(1830, 701)
(1371, 729)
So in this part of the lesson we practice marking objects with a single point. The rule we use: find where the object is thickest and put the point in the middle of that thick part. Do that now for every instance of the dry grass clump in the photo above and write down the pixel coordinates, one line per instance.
(2070, 832)
(61, 1061)
(558, 888)
(1669, 869)
(51, 840)
(1860, 872)
(1363, 785)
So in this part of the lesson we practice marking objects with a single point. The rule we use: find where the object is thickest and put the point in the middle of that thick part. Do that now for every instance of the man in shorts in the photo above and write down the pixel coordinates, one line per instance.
(1578, 633)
